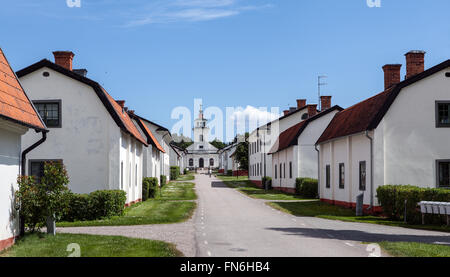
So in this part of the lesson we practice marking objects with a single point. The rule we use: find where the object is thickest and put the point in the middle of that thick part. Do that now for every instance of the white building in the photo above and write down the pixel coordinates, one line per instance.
(17, 116)
(400, 136)
(294, 154)
(201, 154)
(225, 159)
(153, 154)
(164, 138)
(90, 132)
(263, 139)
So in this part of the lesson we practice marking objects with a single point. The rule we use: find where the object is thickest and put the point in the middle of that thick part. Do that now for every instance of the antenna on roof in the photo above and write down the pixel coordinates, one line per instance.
(319, 85)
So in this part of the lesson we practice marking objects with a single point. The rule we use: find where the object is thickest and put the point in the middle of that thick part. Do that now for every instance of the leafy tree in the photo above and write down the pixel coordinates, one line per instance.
(48, 198)
(183, 144)
(218, 144)
(241, 154)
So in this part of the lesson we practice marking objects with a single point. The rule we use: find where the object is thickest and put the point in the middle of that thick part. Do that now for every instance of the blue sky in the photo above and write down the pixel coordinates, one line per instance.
(160, 54)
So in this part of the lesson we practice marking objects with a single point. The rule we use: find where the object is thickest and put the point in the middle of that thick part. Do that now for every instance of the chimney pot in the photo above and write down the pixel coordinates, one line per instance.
(64, 59)
(121, 103)
(301, 103)
(325, 102)
(83, 72)
(415, 63)
(312, 110)
(286, 112)
(391, 75)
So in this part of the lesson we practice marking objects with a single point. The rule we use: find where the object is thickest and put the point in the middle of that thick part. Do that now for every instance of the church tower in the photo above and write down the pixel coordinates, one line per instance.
(201, 130)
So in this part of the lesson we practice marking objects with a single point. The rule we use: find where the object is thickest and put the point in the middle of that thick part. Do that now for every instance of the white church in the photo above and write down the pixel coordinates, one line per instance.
(201, 154)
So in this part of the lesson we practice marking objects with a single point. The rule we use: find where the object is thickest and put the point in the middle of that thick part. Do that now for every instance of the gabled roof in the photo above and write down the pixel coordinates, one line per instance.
(121, 118)
(367, 114)
(283, 117)
(289, 137)
(150, 137)
(14, 103)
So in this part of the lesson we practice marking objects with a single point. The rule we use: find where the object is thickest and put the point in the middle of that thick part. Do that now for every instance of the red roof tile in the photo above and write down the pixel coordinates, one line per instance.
(355, 119)
(150, 134)
(125, 118)
(14, 104)
(287, 137)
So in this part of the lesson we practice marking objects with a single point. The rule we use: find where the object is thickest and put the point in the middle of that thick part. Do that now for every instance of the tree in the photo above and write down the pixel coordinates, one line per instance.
(218, 144)
(241, 154)
(183, 144)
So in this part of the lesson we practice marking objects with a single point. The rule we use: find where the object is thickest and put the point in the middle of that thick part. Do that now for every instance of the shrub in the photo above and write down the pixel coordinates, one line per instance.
(174, 172)
(229, 172)
(152, 186)
(268, 180)
(79, 208)
(145, 189)
(307, 187)
(107, 203)
(38, 201)
(185, 171)
(392, 200)
(163, 180)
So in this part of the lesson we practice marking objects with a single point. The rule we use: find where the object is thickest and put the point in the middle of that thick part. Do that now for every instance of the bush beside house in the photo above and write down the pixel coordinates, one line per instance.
(307, 187)
(268, 180)
(163, 180)
(174, 172)
(392, 200)
(151, 185)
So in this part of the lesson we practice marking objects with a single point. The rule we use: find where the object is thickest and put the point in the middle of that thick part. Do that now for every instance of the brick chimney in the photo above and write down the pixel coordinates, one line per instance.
(391, 75)
(64, 59)
(121, 103)
(415, 63)
(301, 103)
(285, 112)
(312, 110)
(325, 102)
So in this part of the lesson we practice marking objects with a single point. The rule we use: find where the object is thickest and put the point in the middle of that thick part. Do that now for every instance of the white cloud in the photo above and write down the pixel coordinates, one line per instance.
(166, 11)
(251, 117)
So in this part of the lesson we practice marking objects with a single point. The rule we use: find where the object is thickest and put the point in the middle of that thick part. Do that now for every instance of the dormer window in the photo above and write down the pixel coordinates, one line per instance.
(50, 112)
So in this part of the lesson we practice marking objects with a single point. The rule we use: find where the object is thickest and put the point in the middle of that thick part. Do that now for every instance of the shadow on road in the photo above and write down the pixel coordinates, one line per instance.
(218, 185)
(357, 235)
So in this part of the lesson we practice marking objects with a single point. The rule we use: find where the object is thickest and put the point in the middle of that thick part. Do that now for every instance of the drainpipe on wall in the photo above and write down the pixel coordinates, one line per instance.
(371, 170)
(318, 171)
(23, 171)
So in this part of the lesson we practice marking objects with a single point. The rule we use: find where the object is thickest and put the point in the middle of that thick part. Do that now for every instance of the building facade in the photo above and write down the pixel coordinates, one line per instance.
(201, 154)
(397, 137)
(17, 116)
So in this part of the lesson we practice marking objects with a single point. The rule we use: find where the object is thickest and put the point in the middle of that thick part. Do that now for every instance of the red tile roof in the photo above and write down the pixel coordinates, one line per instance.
(14, 103)
(125, 118)
(289, 137)
(355, 119)
(150, 135)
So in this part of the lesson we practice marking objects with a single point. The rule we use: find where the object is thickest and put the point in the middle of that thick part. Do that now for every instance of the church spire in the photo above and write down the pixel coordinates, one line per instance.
(201, 112)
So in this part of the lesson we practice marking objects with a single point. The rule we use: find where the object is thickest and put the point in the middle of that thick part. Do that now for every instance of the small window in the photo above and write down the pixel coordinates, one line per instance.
(341, 176)
(362, 176)
(443, 174)
(37, 168)
(290, 170)
(200, 146)
(281, 173)
(327, 176)
(284, 171)
(201, 138)
(442, 114)
(121, 175)
(304, 116)
(276, 172)
(191, 162)
(211, 162)
(50, 112)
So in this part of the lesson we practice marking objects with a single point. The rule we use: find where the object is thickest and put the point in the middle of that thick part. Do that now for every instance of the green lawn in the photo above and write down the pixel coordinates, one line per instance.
(245, 186)
(168, 207)
(186, 177)
(40, 245)
(414, 249)
(327, 211)
(177, 191)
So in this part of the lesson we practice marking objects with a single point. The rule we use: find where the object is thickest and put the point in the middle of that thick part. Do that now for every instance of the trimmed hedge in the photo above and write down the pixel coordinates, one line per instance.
(163, 180)
(174, 172)
(152, 184)
(269, 182)
(145, 189)
(185, 171)
(392, 200)
(96, 205)
(307, 187)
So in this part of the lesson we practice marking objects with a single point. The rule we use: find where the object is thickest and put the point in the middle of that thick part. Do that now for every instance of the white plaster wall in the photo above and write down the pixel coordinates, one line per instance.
(131, 155)
(284, 157)
(10, 152)
(88, 142)
(411, 140)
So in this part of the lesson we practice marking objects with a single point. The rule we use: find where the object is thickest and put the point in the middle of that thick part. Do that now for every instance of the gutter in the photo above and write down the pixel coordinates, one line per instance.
(371, 169)
(318, 170)
(23, 167)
